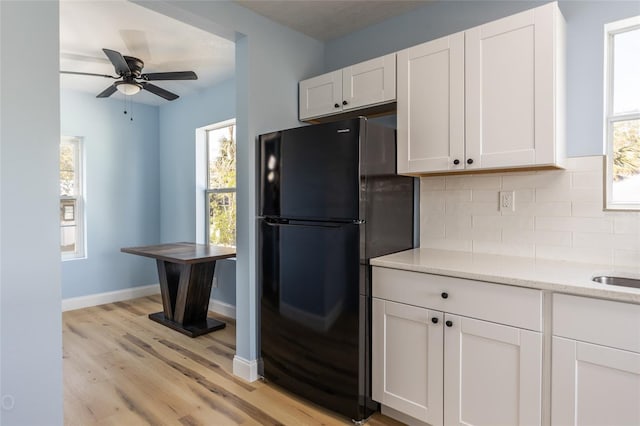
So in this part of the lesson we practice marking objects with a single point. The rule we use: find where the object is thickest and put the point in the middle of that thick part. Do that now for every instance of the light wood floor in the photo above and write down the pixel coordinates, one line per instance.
(120, 368)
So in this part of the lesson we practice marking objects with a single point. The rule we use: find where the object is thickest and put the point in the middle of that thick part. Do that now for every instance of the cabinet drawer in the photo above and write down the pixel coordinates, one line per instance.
(603, 322)
(516, 306)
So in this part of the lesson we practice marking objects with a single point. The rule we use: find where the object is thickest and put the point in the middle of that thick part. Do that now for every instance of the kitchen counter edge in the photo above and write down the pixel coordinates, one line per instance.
(557, 276)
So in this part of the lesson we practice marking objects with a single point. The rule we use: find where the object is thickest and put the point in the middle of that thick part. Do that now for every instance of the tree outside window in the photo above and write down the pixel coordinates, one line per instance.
(71, 199)
(622, 121)
(220, 196)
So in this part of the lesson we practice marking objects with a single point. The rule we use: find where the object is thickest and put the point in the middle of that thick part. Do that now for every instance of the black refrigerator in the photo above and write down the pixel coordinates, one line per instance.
(330, 200)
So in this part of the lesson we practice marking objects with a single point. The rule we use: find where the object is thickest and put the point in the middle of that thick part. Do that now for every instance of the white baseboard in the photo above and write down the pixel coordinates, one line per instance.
(245, 369)
(222, 308)
(73, 303)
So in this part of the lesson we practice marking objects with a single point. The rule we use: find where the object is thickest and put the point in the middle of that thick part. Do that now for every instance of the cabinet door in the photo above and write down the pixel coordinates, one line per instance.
(431, 106)
(509, 80)
(492, 373)
(320, 95)
(594, 385)
(369, 83)
(407, 360)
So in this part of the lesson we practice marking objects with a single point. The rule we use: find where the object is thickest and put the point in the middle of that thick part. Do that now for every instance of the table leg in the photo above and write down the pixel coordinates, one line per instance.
(185, 297)
(169, 276)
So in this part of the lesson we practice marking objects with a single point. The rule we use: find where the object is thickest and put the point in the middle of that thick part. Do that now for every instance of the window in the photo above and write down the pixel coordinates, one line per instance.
(71, 198)
(622, 113)
(220, 193)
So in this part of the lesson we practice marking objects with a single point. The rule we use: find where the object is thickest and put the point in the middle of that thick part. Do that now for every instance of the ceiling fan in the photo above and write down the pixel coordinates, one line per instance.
(131, 79)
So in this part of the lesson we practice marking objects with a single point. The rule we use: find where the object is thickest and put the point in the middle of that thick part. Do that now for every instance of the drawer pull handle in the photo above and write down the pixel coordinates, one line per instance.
(444, 295)
(470, 161)
(336, 106)
(345, 103)
(434, 320)
(449, 323)
(456, 161)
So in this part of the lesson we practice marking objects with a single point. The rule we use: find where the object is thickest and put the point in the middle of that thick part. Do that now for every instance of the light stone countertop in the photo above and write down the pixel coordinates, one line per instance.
(558, 276)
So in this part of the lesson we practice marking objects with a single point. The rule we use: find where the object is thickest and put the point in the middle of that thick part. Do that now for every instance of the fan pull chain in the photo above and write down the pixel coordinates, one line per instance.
(126, 98)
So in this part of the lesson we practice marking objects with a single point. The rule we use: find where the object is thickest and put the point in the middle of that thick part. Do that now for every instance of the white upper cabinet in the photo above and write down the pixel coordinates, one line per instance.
(321, 95)
(506, 110)
(358, 86)
(431, 106)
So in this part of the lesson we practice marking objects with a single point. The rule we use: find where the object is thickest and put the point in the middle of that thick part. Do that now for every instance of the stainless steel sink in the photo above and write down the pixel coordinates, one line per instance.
(621, 281)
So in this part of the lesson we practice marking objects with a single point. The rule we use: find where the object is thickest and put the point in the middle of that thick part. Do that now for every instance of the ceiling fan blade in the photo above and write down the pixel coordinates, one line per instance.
(118, 61)
(175, 75)
(136, 42)
(82, 58)
(159, 91)
(107, 92)
(87, 73)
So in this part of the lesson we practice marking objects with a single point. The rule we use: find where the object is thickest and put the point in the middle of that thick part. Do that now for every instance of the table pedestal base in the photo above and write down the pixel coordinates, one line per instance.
(191, 330)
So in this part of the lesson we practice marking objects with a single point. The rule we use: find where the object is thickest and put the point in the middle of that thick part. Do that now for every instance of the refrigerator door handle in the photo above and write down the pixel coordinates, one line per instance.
(304, 224)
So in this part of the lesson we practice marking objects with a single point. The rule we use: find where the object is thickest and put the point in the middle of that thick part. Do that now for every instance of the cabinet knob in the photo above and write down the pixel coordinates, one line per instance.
(470, 161)
(336, 105)
(449, 323)
(456, 161)
(344, 102)
(434, 320)
(444, 295)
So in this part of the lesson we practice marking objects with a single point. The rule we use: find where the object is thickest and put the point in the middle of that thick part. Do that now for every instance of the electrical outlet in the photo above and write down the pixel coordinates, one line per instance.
(507, 201)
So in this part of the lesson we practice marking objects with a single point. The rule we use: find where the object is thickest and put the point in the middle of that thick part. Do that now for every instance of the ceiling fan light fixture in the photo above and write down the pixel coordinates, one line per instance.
(128, 88)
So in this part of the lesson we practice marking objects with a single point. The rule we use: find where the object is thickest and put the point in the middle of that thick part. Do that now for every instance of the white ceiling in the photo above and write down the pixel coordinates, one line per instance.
(329, 19)
(164, 44)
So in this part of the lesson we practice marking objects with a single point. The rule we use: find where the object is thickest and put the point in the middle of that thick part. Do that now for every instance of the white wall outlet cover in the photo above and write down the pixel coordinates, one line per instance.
(507, 201)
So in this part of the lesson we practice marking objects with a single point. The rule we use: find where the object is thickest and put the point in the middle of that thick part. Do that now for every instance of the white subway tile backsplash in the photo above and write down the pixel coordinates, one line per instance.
(590, 179)
(574, 224)
(507, 249)
(446, 244)
(485, 196)
(435, 183)
(625, 223)
(623, 257)
(458, 195)
(587, 209)
(456, 182)
(479, 234)
(558, 215)
(485, 182)
(595, 255)
(590, 163)
(557, 209)
(485, 209)
(514, 181)
(522, 223)
(553, 238)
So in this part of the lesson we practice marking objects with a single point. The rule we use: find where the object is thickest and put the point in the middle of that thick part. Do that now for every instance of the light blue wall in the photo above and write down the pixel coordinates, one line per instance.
(270, 60)
(122, 192)
(30, 323)
(178, 121)
(585, 44)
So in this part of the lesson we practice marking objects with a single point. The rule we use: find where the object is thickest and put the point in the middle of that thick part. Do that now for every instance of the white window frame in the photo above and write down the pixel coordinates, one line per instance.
(610, 118)
(81, 244)
(202, 180)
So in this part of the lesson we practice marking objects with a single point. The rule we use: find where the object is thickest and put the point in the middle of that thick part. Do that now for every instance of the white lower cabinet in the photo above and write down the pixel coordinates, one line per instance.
(444, 368)
(492, 373)
(595, 362)
(407, 360)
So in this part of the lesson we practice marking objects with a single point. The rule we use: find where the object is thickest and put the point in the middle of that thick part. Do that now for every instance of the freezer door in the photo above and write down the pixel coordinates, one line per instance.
(311, 172)
(310, 319)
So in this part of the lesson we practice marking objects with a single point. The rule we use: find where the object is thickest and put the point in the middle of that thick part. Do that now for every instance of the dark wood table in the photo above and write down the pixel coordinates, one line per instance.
(186, 272)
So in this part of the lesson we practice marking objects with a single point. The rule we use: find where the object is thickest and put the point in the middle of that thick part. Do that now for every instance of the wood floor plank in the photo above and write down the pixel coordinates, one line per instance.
(120, 368)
